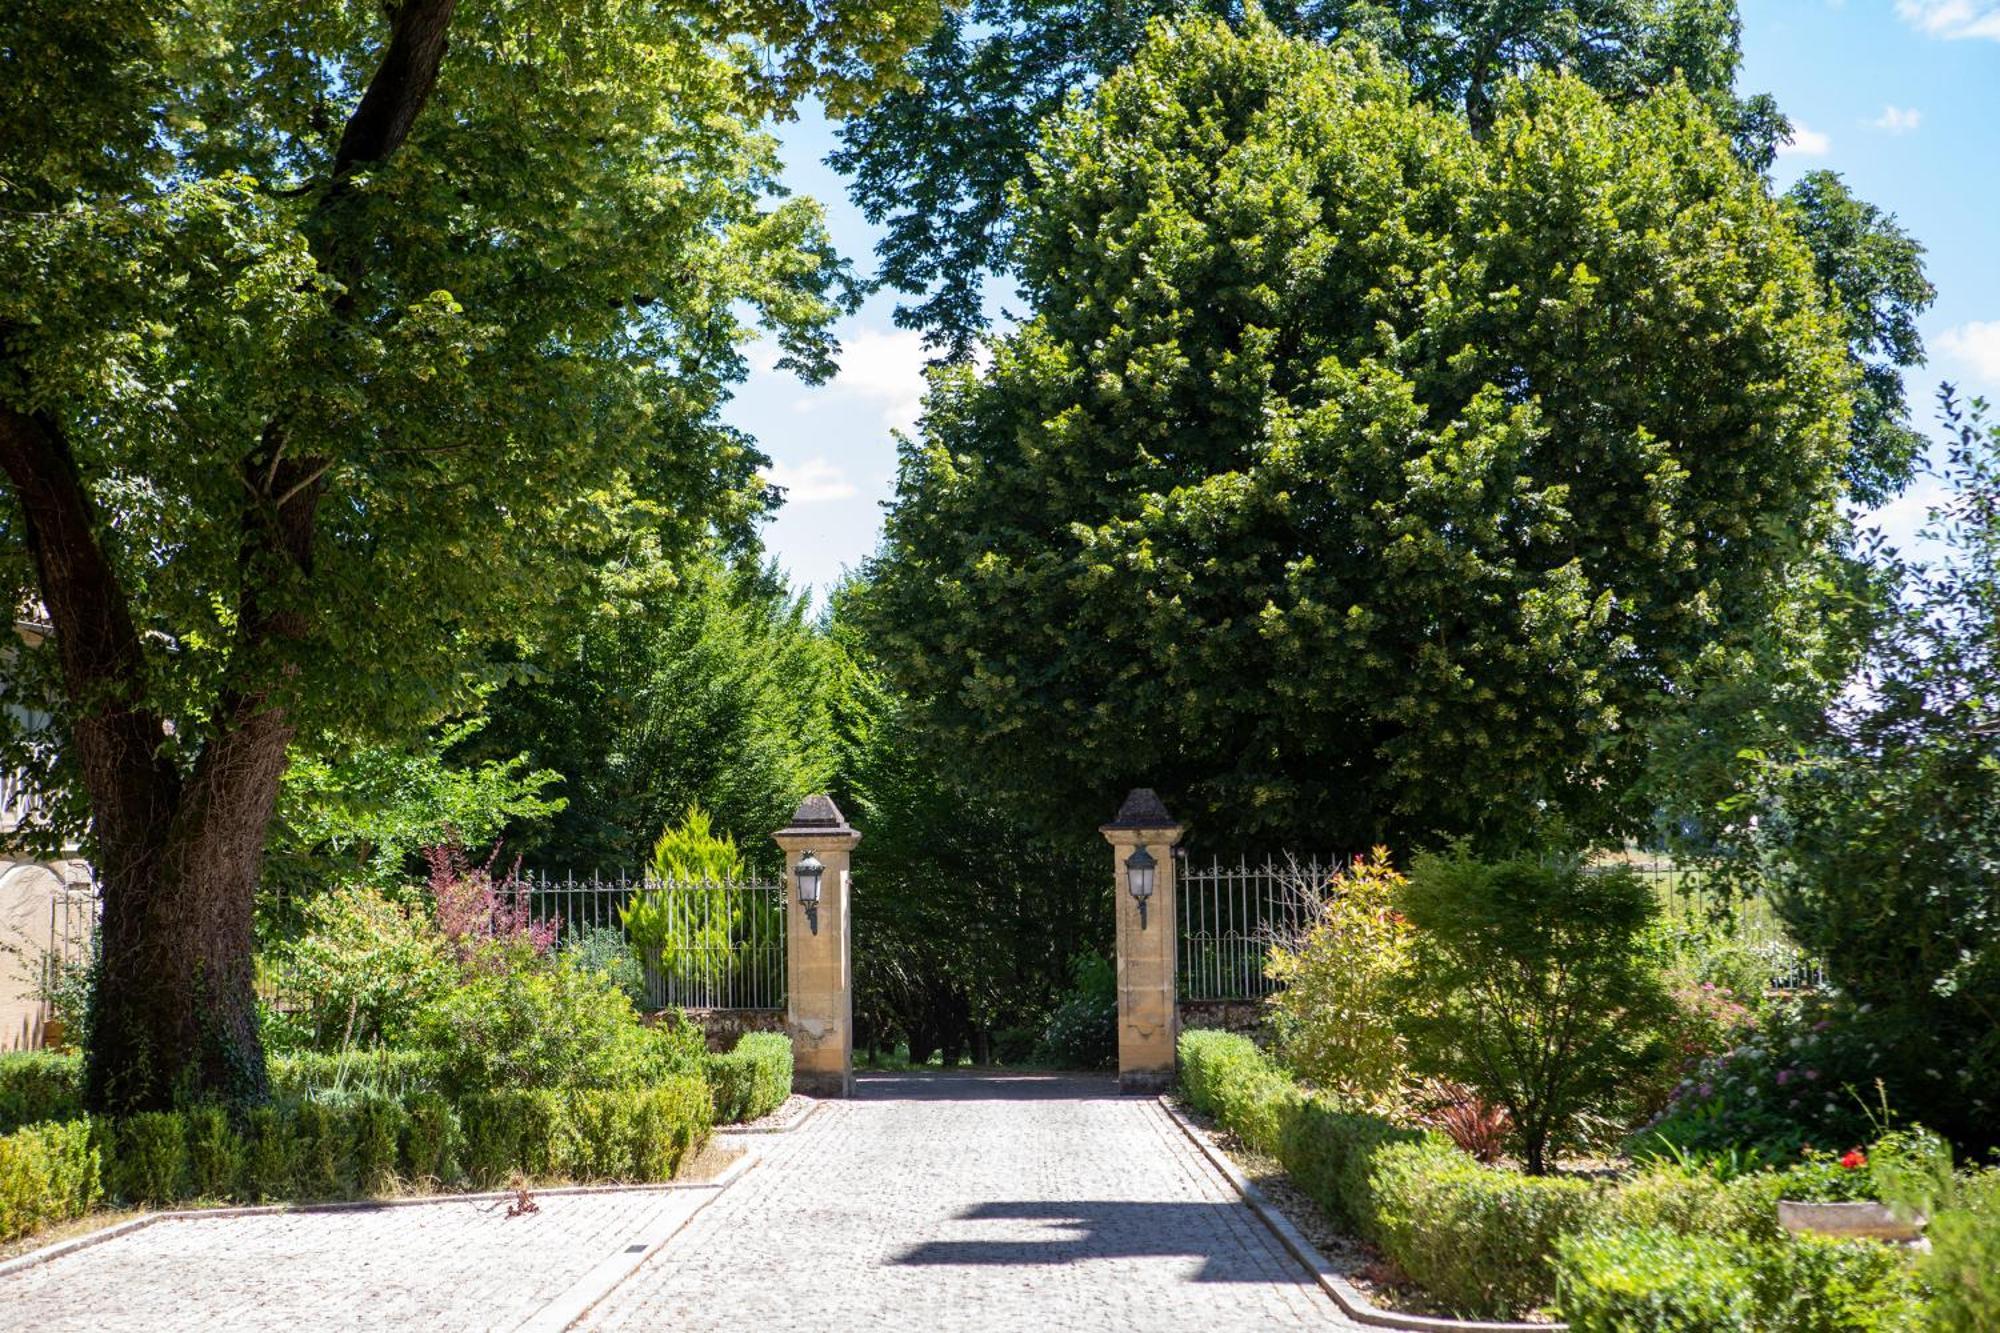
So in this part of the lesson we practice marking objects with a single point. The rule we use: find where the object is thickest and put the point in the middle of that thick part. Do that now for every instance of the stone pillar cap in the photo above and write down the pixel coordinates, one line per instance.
(1143, 809)
(817, 816)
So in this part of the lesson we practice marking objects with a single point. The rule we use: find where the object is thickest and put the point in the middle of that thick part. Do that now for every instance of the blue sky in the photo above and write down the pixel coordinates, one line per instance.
(1900, 96)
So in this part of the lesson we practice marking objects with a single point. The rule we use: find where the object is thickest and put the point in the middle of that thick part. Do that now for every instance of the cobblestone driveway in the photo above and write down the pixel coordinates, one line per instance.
(940, 1202)
(955, 1202)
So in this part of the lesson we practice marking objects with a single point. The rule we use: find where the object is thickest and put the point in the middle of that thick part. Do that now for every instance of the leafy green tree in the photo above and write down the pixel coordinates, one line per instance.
(932, 161)
(338, 342)
(1875, 271)
(1529, 980)
(705, 684)
(366, 815)
(1359, 479)
(1879, 834)
(966, 919)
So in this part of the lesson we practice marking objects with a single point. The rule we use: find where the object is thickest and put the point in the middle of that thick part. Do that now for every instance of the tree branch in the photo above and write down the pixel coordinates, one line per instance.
(403, 82)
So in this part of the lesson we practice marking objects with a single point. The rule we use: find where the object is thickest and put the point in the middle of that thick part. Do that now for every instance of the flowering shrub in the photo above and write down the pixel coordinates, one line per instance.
(1795, 1083)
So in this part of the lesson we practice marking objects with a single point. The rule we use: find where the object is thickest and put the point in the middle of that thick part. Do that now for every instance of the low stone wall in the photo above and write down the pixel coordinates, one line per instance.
(722, 1027)
(1244, 1016)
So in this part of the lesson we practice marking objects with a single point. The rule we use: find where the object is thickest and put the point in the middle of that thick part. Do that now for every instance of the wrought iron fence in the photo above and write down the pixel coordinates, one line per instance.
(1231, 915)
(1690, 905)
(708, 945)
(698, 946)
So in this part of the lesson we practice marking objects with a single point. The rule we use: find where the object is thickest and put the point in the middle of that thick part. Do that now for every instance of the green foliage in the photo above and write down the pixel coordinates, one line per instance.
(1226, 1078)
(1876, 837)
(541, 1027)
(36, 1086)
(692, 921)
(433, 1141)
(1479, 1239)
(1336, 1017)
(698, 682)
(752, 1080)
(364, 815)
(152, 1157)
(1271, 402)
(216, 1153)
(930, 162)
(1082, 1032)
(1636, 1281)
(604, 949)
(48, 1173)
(972, 920)
(1529, 982)
(363, 967)
(1913, 1170)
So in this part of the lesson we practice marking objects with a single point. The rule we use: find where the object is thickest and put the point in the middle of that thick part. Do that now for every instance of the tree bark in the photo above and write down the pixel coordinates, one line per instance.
(178, 856)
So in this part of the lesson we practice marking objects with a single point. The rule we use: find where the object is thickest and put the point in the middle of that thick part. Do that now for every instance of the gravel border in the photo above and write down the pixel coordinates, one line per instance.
(1331, 1280)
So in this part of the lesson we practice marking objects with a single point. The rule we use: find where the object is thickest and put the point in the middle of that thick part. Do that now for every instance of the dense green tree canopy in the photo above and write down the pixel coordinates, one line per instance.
(1358, 478)
(703, 685)
(931, 162)
(338, 342)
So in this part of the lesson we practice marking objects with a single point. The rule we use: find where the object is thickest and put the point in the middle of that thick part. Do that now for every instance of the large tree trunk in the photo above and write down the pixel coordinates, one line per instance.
(174, 1010)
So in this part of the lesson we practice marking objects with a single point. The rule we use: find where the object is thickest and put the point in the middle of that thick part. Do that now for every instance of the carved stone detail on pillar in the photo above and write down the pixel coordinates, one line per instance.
(1148, 940)
(819, 972)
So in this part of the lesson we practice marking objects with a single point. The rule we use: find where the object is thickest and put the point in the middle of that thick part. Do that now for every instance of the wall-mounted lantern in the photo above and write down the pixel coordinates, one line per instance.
(808, 872)
(1139, 868)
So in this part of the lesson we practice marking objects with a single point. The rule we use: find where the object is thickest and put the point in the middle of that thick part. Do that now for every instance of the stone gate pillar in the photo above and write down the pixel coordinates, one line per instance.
(819, 973)
(1148, 935)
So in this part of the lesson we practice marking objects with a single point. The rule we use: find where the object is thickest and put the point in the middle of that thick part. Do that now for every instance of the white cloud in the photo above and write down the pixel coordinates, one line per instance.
(1953, 19)
(1898, 119)
(884, 367)
(814, 481)
(1805, 142)
(1975, 345)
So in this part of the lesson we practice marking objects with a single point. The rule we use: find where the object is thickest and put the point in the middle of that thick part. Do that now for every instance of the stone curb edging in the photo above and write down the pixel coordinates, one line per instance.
(1344, 1293)
(812, 1108)
(48, 1253)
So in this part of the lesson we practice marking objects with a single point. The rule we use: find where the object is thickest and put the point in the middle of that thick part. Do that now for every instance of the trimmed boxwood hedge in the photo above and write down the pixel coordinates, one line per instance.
(349, 1147)
(752, 1080)
(1489, 1241)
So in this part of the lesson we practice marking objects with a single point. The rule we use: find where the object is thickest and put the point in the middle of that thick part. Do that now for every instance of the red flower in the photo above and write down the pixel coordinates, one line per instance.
(1853, 1159)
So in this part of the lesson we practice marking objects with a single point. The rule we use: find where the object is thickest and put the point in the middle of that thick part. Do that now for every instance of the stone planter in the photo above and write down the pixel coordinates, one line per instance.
(1849, 1221)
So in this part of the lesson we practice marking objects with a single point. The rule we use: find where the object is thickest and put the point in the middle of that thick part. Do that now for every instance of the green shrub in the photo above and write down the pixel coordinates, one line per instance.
(1637, 1281)
(1333, 1156)
(1690, 1202)
(674, 1119)
(381, 1071)
(1335, 1017)
(152, 1158)
(37, 1086)
(1226, 1078)
(1530, 981)
(48, 1173)
(320, 1151)
(533, 1027)
(272, 1159)
(1652, 1281)
(377, 1127)
(1082, 1032)
(752, 1080)
(605, 949)
(1480, 1239)
(432, 1140)
(216, 1153)
(365, 965)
